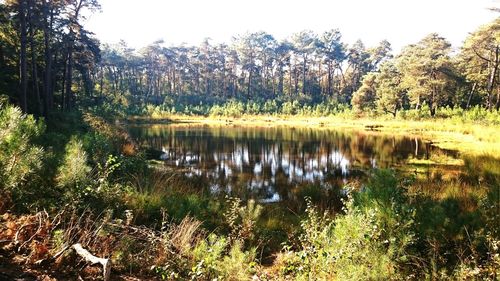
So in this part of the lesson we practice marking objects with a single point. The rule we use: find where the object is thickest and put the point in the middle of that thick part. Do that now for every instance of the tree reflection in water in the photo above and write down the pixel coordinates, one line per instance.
(272, 164)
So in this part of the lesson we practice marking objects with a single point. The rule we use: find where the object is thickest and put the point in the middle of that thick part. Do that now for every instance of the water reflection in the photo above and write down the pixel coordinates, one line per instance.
(268, 163)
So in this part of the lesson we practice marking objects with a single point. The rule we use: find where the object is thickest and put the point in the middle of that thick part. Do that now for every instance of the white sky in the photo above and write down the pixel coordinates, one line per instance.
(401, 22)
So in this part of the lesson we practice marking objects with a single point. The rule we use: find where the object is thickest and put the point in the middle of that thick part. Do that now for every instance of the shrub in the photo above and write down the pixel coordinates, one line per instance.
(270, 107)
(290, 108)
(370, 241)
(74, 170)
(191, 254)
(347, 248)
(19, 158)
(242, 219)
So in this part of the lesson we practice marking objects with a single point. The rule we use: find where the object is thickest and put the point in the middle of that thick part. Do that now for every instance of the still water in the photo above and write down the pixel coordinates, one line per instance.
(270, 164)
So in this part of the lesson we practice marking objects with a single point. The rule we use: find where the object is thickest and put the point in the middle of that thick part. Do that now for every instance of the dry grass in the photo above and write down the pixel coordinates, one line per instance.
(184, 236)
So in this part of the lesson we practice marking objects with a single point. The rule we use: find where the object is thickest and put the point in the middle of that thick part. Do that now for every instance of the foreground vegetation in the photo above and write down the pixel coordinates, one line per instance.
(155, 223)
(70, 175)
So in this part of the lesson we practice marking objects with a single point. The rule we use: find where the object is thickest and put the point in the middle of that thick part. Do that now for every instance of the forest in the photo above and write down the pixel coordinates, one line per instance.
(92, 134)
(50, 62)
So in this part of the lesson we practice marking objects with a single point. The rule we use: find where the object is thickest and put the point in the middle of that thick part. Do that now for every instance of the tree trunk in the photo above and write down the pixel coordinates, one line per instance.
(249, 84)
(69, 69)
(304, 76)
(63, 87)
(101, 83)
(23, 103)
(280, 81)
(492, 79)
(470, 96)
(34, 69)
(264, 84)
(173, 81)
(497, 106)
(329, 86)
(69, 77)
(47, 28)
(432, 102)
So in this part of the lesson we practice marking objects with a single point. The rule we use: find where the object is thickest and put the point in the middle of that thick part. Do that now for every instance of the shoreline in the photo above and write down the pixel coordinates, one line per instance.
(467, 138)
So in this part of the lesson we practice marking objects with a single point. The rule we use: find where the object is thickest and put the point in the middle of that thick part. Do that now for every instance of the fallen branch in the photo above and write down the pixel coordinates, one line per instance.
(106, 263)
(18, 232)
(39, 216)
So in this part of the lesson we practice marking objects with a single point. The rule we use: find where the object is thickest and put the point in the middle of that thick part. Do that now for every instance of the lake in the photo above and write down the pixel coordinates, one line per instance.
(279, 164)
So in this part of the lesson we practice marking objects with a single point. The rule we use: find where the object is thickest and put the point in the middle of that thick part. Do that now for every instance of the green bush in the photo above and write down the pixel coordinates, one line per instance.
(19, 158)
(216, 258)
(74, 171)
(349, 247)
(231, 108)
(270, 107)
(191, 254)
(290, 108)
(369, 242)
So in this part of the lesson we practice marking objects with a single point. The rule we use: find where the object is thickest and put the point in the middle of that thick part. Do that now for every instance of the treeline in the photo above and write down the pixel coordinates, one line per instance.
(50, 61)
(309, 69)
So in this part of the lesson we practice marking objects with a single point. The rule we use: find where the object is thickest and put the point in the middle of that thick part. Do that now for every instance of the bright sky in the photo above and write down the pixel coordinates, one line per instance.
(401, 22)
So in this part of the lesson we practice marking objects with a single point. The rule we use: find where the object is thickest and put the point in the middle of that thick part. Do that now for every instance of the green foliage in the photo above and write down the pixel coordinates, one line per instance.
(207, 255)
(349, 247)
(364, 98)
(370, 241)
(104, 172)
(19, 158)
(476, 63)
(391, 97)
(386, 199)
(290, 108)
(384, 232)
(458, 115)
(74, 171)
(197, 256)
(230, 109)
(98, 146)
(242, 219)
(216, 258)
(270, 107)
(427, 72)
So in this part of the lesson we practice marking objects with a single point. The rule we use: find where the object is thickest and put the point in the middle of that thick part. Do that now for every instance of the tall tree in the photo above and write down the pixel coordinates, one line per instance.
(73, 11)
(23, 74)
(364, 98)
(427, 72)
(480, 61)
(391, 97)
(358, 64)
(33, 26)
(282, 58)
(333, 51)
(304, 43)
